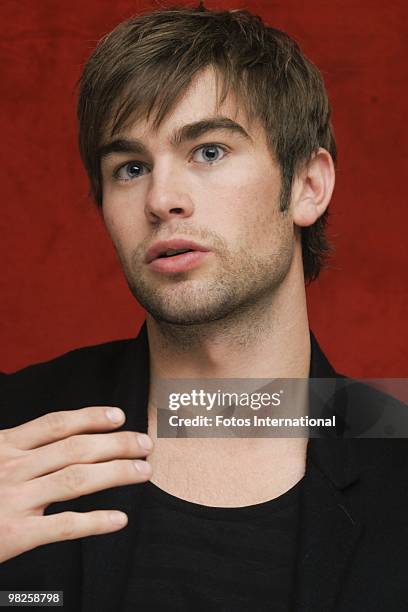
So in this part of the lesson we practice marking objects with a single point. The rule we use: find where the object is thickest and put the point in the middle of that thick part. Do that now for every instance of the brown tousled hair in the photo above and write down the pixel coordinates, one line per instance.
(146, 63)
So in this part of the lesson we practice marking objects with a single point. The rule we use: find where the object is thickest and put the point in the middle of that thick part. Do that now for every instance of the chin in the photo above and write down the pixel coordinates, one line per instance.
(185, 310)
(184, 316)
(186, 303)
(181, 320)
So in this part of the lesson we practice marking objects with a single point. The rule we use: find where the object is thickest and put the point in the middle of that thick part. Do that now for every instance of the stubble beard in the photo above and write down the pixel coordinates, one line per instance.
(238, 287)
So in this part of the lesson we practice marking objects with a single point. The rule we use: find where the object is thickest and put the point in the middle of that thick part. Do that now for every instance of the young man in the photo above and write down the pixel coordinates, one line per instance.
(207, 139)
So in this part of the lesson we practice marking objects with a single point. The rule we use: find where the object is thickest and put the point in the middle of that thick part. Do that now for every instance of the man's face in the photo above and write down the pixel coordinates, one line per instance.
(216, 186)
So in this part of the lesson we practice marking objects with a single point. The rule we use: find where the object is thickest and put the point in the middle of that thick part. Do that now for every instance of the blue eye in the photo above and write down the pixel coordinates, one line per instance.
(209, 153)
(130, 171)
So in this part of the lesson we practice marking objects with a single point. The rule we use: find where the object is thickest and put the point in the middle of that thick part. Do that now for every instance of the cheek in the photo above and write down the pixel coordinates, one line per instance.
(123, 211)
(251, 207)
(121, 226)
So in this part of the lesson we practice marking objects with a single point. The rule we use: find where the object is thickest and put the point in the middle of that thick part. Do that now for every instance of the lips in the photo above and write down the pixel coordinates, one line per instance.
(169, 248)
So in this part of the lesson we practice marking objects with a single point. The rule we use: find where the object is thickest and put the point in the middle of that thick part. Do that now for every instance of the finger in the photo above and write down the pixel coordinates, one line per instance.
(82, 479)
(58, 425)
(38, 530)
(83, 448)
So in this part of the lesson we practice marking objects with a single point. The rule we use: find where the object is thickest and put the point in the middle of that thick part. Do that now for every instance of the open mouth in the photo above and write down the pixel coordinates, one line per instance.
(174, 261)
(176, 254)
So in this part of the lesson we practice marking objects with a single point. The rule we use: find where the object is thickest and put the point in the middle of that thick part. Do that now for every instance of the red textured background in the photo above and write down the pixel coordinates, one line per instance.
(61, 284)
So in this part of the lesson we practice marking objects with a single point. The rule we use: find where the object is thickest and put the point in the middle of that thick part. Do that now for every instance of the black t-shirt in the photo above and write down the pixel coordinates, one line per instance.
(194, 557)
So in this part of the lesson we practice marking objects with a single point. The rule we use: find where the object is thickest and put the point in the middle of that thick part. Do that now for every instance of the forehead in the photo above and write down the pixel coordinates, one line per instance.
(201, 99)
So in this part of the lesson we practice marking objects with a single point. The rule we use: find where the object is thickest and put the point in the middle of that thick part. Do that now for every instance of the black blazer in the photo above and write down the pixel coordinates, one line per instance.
(353, 548)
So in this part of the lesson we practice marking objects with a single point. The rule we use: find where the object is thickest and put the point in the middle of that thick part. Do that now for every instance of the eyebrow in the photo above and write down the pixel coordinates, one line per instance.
(191, 131)
(188, 132)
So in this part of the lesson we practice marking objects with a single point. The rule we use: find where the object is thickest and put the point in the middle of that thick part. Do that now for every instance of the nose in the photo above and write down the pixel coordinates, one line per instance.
(168, 195)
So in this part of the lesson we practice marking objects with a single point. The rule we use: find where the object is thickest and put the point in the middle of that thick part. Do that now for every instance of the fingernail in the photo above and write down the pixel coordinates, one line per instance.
(118, 518)
(144, 441)
(143, 467)
(116, 415)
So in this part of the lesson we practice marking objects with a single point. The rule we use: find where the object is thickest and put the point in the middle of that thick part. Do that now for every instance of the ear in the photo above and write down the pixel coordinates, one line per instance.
(312, 189)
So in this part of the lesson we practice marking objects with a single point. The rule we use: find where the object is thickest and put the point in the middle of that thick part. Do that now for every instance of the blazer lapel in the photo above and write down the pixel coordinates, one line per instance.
(329, 528)
(107, 559)
(328, 531)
